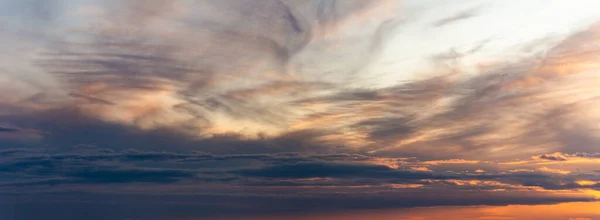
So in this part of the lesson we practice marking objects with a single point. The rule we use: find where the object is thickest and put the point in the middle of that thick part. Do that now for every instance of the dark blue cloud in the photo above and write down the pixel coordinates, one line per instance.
(241, 184)
(338, 170)
(284, 169)
(12, 151)
(130, 175)
(9, 130)
(77, 128)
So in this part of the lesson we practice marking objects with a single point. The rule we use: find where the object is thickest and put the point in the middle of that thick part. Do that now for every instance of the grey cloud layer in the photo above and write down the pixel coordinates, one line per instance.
(358, 148)
(104, 166)
(254, 183)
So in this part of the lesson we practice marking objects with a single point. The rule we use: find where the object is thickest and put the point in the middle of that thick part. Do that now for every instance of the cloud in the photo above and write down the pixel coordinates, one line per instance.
(498, 110)
(7, 152)
(555, 156)
(443, 116)
(276, 181)
(588, 155)
(466, 14)
(8, 130)
(557, 171)
(78, 128)
(172, 84)
(228, 106)
(280, 169)
(560, 157)
(34, 12)
(337, 170)
(108, 176)
(131, 175)
(111, 71)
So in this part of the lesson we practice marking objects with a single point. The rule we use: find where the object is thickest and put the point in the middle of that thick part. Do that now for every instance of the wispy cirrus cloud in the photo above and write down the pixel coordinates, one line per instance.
(203, 72)
(457, 117)
(257, 108)
(466, 14)
(503, 108)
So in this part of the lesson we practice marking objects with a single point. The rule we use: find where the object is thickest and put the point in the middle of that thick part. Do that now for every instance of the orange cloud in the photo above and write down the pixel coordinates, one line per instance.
(451, 161)
(557, 171)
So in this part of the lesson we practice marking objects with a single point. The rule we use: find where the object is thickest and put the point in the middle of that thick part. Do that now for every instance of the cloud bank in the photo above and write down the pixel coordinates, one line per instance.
(203, 108)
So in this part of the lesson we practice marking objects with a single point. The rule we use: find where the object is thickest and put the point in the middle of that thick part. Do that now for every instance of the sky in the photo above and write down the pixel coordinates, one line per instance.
(299, 109)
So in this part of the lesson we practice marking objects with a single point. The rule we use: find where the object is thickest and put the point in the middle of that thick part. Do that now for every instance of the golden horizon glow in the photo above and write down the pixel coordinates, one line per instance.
(320, 109)
(563, 211)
